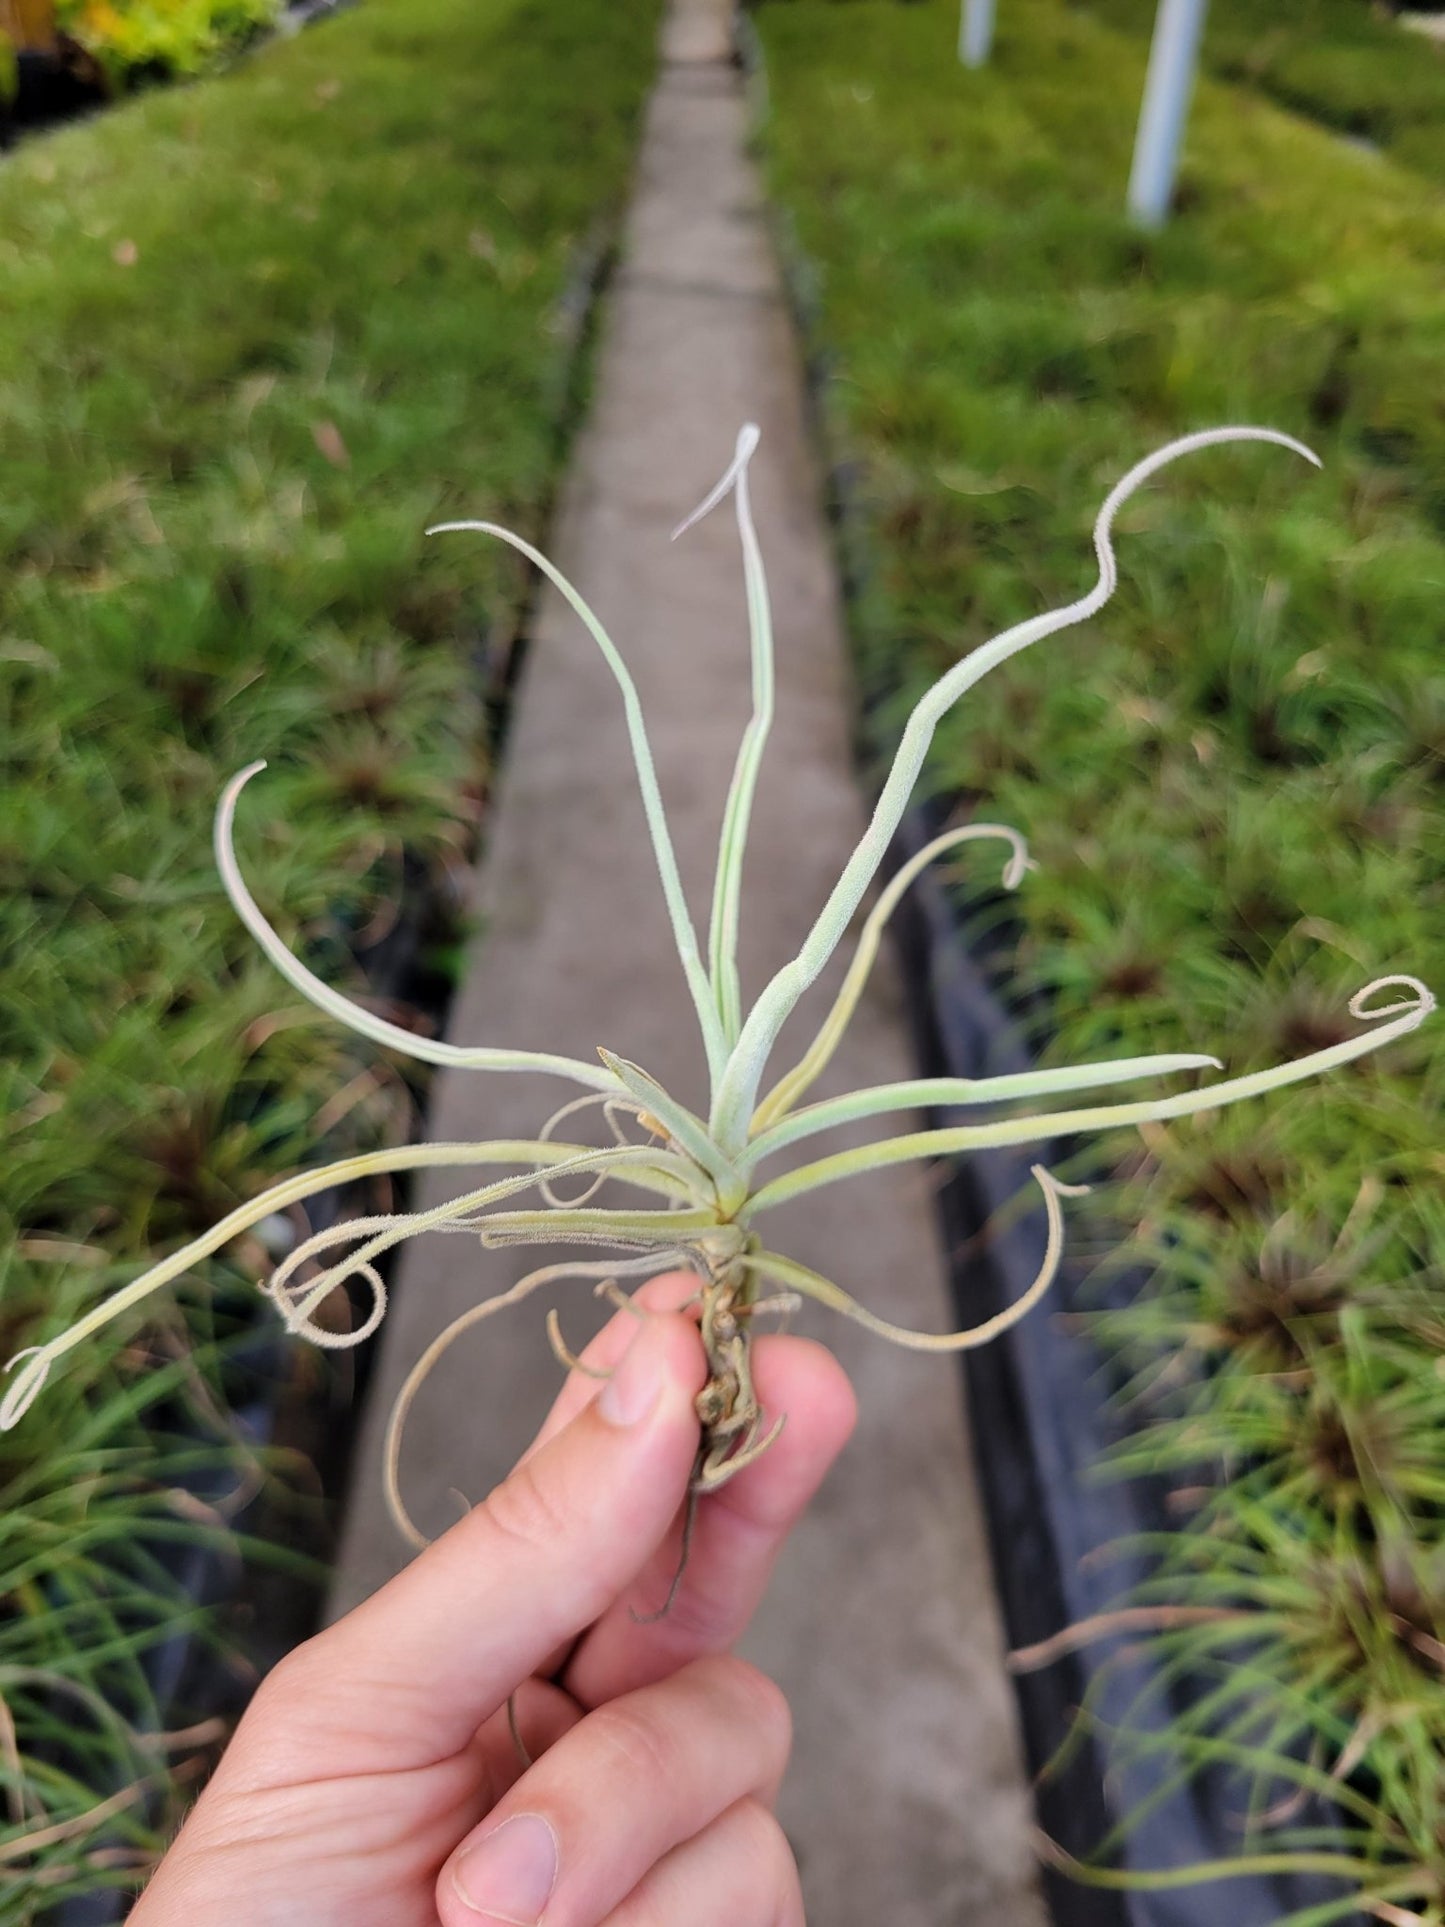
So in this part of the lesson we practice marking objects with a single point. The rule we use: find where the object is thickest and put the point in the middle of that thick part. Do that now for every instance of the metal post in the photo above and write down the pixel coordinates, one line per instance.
(975, 32)
(1172, 58)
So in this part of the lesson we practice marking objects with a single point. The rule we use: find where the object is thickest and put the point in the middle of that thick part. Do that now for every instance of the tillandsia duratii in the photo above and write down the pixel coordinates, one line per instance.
(704, 1180)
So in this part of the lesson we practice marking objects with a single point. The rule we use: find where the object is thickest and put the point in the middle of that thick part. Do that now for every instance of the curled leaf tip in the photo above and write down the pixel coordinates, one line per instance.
(467, 527)
(1420, 1002)
(749, 435)
(27, 1386)
(239, 781)
(1280, 440)
(1047, 1182)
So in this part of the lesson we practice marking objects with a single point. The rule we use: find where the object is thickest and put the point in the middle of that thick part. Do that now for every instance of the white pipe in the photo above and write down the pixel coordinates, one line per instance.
(1173, 56)
(975, 32)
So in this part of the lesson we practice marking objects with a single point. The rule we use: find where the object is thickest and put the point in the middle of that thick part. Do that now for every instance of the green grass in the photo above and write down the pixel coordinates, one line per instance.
(1232, 780)
(1341, 61)
(254, 335)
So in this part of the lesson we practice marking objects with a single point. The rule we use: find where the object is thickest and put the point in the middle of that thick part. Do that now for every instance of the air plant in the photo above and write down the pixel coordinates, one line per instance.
(704, 1178)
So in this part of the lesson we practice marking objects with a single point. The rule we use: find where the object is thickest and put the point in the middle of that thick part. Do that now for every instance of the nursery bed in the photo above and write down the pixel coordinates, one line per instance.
(254, 336)
(1040, 1406)
(1231, 780)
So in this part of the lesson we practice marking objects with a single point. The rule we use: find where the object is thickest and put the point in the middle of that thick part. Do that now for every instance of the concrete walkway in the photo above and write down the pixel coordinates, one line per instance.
(905, 1801)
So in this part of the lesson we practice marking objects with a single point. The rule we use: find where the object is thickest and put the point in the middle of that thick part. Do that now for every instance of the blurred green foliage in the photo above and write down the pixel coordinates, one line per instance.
(254, 336)
(1233, 779)
(130, 38)
(1344, 62)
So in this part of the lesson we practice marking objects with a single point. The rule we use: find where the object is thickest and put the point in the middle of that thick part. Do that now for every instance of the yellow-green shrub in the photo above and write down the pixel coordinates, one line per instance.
(169, 36)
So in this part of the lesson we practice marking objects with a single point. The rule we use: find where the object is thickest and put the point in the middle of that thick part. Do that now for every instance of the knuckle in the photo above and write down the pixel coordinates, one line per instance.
(632, 1733)
(525, 1510)
(291, 1678)
(272, 1746)
(701, 1620)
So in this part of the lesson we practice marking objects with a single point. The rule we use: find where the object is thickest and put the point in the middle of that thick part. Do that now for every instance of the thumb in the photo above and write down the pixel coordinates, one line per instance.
(409, 1676)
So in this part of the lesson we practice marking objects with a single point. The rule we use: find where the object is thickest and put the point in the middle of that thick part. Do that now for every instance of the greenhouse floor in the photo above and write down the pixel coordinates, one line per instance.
(905, 1801)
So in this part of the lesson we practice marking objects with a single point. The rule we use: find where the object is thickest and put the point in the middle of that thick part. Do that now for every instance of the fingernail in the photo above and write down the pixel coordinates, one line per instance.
(509, 1875)
(635, 1386)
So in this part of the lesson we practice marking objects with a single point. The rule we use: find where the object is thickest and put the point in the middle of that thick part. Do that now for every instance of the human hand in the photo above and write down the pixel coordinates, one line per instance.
(375, 1782)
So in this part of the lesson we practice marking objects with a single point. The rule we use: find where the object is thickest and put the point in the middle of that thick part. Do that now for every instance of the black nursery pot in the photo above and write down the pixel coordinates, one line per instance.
(1037, 1401)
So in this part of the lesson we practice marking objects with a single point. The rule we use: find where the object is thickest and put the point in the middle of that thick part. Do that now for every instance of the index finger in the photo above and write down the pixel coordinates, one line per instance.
(408, 1676)
(737, 1534)
(738, 1531)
